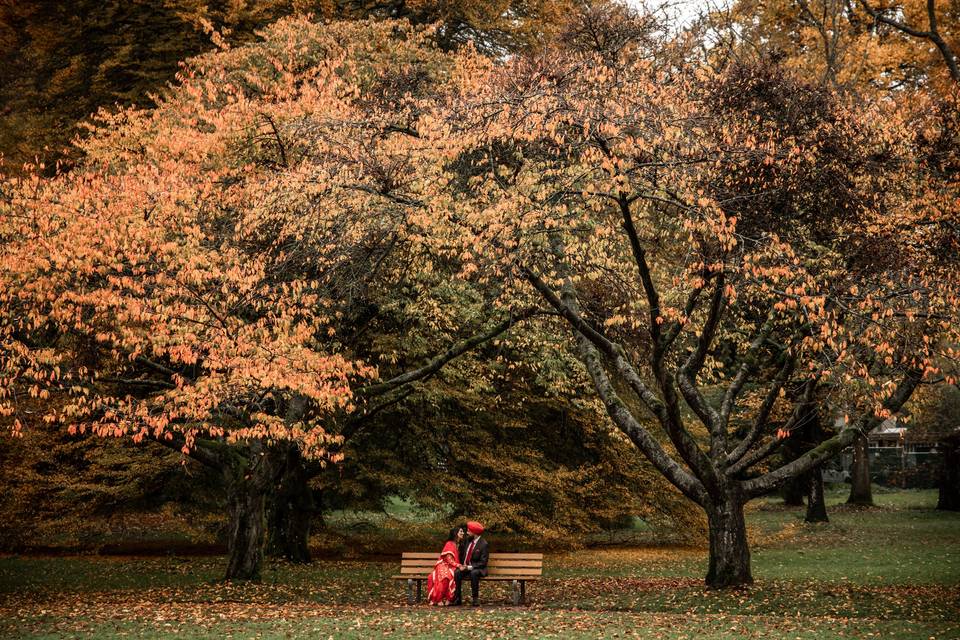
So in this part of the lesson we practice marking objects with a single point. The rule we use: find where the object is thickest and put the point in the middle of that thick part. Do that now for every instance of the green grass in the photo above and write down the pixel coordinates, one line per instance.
(514, 624)
(892, 572)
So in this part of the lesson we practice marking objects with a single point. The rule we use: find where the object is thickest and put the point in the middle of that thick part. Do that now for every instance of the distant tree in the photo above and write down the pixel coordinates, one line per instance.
(75, 492)
(922, 21)
(948, 498)
(867, 44)
(861, 492)
(936, 418)
(815, 434)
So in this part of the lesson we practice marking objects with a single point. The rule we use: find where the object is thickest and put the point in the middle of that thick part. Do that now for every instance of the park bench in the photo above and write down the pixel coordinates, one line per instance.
(515, 568)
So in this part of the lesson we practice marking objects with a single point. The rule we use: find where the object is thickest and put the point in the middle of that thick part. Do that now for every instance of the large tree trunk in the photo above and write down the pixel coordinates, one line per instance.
(247, 484)
(860, 492)
(949, 499)
(816, 506)
(729, 550)
(293, 508)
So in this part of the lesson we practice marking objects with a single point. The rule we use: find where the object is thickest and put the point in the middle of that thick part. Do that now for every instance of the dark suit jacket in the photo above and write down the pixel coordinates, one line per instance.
(480, 557)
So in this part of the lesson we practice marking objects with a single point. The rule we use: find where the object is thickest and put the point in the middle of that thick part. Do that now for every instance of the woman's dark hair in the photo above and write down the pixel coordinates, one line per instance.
(453, 532)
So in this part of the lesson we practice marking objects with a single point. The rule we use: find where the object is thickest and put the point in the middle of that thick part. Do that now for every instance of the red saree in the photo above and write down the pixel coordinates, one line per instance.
(440, 584)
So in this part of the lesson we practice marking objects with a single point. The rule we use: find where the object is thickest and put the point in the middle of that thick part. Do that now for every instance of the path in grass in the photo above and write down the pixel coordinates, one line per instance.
(889, 572)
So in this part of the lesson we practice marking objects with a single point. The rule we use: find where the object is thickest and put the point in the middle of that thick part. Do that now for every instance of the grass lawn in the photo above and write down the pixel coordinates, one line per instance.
(889, 572)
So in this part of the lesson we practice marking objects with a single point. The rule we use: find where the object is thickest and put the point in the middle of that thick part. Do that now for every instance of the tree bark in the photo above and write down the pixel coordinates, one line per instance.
(860, 492)
(293, 509)
(816, 506)
(949, 498)
(729, 550)
(248, 480)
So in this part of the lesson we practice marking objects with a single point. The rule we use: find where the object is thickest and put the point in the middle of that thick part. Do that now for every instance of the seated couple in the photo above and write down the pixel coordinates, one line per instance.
(444, 584)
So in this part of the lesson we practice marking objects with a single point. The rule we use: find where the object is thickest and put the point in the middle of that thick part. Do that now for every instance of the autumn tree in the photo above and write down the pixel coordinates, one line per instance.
(197, 281)
(923, 23)
(867, 44)
(734, 220)
(902, 49)
(272, 157)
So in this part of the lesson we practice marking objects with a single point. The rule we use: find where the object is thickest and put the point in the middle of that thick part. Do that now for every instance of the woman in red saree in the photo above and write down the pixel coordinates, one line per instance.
(440, 584)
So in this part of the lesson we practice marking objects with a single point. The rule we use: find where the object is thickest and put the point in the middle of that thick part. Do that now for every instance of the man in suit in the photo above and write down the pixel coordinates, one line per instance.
(474, 565)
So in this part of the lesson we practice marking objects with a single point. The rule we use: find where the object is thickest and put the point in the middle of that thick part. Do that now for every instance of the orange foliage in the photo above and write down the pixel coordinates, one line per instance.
(189, 275)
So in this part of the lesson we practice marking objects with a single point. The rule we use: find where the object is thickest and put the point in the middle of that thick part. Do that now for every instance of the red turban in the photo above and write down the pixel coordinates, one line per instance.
(475, 528)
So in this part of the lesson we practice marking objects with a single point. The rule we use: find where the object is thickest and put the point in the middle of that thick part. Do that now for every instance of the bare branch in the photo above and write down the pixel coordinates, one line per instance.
(763, 414)
(439, 361)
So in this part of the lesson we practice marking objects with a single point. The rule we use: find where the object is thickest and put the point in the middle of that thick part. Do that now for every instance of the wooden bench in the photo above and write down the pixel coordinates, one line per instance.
(516, 568)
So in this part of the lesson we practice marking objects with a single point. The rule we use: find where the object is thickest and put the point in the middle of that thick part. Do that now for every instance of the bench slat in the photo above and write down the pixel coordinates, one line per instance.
(414, 571)
(516, 572)
(491, 563)
(504, 556)
(495, 578)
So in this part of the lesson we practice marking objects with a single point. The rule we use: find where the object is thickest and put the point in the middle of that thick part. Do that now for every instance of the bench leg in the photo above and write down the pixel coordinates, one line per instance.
(523, 591)
(516, 592)
(410, 590)
(419, 593)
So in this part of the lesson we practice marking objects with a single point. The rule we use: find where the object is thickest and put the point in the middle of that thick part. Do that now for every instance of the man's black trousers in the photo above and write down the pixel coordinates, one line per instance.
(474, 576)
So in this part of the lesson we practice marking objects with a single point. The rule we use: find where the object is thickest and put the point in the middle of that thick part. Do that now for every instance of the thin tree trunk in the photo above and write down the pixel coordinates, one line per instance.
(729, 550)
(860, 492)
(949, 499)
(816, 506)
(793, 492)
(247, 483)
(793, 489)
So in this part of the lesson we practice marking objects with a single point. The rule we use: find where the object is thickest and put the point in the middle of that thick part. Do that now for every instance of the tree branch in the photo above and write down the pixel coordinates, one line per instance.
(832, 446)
(439, 361)
(669, 419)
(749, 362)
(621, 416)
(773, 444)
(933, 34)
(687, 373)
(763, 414)
(640, 257)
(197, 452)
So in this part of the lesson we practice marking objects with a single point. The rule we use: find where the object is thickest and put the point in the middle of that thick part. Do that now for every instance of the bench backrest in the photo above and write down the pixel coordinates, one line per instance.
(521, 565)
